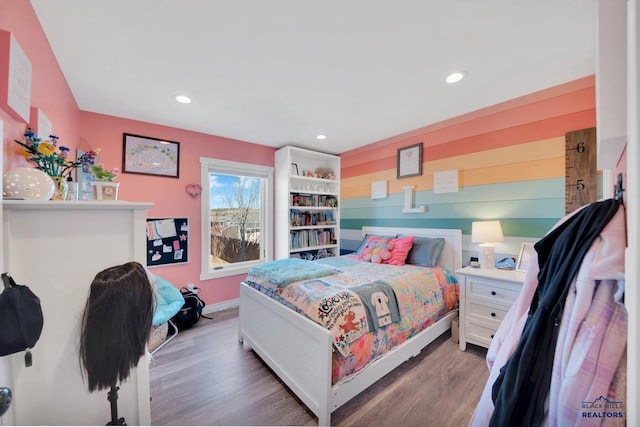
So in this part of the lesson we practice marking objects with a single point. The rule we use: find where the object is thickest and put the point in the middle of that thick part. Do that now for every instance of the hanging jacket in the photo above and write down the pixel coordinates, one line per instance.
(527, 375)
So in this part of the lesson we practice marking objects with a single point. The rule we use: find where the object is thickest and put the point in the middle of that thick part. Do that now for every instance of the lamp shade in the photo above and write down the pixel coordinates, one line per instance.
(486, 232)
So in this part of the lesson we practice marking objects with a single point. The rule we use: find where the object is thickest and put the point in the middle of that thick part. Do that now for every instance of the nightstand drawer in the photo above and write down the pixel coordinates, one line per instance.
(480, 334)
(486, 290)
(485, 312)
(486, 296)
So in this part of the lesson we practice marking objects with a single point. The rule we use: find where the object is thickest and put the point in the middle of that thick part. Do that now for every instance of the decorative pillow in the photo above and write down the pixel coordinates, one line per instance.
(400, 249)
(377, 250)
(364, 242)
(426, 251)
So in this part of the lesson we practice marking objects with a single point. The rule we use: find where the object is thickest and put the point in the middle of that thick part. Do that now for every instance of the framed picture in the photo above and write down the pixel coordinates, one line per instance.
(526, 257)
(294, 169)
(410, 161)
(150, 156)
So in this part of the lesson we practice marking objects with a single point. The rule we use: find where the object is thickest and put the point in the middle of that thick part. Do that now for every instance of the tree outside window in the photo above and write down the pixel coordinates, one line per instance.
(237, 232)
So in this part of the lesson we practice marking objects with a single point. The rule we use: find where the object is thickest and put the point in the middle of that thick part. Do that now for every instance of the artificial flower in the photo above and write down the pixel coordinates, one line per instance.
(102, 174)
(50, 158)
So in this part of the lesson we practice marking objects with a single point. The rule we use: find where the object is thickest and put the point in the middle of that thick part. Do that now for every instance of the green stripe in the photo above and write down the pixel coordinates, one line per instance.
(516, 227)
(549, 208)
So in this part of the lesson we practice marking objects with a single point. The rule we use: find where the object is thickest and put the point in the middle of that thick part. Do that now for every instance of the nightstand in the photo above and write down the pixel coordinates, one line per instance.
(485, 298)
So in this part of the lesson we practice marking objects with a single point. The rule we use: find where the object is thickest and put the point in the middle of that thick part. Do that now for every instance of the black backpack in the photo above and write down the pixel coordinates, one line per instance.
(21, 319)
(190, 312)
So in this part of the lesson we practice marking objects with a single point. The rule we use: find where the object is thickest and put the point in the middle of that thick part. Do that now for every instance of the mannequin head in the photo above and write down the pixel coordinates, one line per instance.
(116, 324)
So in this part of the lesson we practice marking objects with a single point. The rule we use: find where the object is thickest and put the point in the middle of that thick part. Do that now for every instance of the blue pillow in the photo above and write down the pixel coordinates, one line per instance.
(366, 240)
(425, 251)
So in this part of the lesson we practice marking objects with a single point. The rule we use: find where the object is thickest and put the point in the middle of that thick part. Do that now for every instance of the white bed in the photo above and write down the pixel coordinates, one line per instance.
(270, 328)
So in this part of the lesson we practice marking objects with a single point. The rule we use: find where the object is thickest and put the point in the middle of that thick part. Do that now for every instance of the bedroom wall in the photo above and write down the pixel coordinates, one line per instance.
(49, 90)
(77, 129)
(510, 162)
(169, 194)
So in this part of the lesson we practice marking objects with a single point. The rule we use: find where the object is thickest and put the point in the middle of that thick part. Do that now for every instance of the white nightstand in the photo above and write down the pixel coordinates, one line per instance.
(485, 298)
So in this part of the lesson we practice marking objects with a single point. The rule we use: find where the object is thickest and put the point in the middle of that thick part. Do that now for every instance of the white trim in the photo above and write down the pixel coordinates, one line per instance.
(225, 305)
(265, 173)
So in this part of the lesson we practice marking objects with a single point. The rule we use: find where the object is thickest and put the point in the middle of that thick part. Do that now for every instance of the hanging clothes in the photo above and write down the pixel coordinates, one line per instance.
(522, 356)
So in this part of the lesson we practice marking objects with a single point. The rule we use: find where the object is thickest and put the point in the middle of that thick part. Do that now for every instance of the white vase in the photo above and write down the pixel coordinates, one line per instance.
(104, 190)
(28, 183)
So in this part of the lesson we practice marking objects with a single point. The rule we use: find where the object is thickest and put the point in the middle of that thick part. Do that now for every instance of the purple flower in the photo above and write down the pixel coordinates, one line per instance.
(64, 151)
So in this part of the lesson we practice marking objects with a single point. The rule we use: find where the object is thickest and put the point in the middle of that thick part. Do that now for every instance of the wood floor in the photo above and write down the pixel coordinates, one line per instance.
(206, 377)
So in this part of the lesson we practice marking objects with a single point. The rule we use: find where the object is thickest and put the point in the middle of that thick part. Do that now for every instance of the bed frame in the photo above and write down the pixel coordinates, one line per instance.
(299, 351)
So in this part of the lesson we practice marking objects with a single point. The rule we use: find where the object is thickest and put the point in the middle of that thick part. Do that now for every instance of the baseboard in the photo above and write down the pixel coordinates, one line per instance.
(234, 303)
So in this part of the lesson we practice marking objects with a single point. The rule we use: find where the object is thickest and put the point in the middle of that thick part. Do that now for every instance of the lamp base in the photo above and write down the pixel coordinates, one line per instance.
(486, 256)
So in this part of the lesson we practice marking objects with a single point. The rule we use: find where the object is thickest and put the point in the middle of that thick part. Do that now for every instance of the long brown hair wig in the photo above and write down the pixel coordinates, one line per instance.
(116, 324)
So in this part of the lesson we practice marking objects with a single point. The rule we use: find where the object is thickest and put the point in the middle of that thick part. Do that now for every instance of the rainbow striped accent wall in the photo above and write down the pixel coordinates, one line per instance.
(510, 162)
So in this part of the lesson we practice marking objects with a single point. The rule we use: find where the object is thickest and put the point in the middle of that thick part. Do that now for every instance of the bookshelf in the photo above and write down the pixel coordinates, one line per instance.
(307, 204)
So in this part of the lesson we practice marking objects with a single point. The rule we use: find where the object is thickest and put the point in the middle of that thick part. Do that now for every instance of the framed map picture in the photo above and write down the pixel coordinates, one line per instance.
(150, 156)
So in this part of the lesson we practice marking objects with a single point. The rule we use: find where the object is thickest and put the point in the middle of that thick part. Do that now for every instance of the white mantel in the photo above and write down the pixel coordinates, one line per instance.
(57, 248)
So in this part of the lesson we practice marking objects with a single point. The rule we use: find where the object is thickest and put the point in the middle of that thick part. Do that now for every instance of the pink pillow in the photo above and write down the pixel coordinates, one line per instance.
(399, 250)
(377, 250)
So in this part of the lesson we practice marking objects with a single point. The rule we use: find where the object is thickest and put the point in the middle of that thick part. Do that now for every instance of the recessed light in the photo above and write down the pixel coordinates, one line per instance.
(321, 136)
(454, 77)
(183, 99)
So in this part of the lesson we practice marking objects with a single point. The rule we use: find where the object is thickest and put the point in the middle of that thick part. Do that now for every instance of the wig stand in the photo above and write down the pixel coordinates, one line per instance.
(112, 397)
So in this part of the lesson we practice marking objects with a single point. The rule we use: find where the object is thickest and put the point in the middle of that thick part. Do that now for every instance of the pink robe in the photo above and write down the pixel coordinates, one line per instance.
(591, 340)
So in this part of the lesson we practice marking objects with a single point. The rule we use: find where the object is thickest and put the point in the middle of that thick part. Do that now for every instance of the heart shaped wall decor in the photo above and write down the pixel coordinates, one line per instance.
(194, 190)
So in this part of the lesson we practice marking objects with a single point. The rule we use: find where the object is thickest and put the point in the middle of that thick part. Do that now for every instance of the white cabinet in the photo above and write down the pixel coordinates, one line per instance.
(307, 211)
(57, 248)
(485, 298)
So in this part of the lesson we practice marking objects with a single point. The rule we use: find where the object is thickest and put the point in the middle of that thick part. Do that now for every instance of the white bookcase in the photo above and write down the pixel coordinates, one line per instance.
(307, 214)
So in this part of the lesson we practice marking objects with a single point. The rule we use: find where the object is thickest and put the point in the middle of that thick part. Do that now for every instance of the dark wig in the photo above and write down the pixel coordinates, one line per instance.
(116, 324)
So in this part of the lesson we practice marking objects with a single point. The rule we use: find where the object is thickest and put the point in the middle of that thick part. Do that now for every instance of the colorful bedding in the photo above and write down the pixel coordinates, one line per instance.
(423, 296)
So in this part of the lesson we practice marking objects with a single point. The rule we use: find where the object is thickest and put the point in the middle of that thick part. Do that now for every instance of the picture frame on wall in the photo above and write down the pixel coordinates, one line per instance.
(526, 257)
(410, 161)
(150, 156)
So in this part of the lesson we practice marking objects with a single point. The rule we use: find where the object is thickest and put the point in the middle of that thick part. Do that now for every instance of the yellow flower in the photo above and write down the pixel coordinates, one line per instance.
(25, 153)
(46, 148)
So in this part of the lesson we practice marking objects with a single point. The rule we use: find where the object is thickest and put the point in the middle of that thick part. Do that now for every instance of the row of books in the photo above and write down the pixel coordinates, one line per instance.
(308, 238)
(313, 254)
(297, 199)
(306, 218)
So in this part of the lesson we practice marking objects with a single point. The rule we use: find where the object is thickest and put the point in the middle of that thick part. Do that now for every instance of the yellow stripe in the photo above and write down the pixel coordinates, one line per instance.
(545, 159)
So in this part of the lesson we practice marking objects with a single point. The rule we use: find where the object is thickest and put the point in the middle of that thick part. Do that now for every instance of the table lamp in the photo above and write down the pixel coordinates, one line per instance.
(486, 233)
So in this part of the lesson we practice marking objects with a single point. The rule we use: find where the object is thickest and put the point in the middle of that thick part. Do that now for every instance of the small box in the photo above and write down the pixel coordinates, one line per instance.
(454, 330)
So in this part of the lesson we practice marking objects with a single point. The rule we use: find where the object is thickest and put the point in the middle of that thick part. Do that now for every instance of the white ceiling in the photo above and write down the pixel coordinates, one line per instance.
(279, 72)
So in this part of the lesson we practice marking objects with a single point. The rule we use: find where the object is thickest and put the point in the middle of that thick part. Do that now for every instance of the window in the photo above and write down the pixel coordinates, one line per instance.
(236, 217)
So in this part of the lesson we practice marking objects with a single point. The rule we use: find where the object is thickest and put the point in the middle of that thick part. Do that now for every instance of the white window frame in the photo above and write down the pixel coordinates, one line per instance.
(210, 165)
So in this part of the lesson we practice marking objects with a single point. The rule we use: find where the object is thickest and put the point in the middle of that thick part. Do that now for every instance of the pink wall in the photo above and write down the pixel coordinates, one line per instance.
(50, 93)
(168, 194)
(49, 90)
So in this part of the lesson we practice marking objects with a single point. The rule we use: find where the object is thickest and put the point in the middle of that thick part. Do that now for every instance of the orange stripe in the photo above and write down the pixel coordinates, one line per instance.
(544, 155)
(538, 150)
(513, 172)
(516, 135)
(502, 138)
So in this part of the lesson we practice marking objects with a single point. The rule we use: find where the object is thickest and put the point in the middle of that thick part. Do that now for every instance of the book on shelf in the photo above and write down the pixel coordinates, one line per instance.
(313, 200)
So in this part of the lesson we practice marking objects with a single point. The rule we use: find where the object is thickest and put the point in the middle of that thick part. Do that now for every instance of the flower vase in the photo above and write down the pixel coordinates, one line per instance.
(61, 188)
(104, 190)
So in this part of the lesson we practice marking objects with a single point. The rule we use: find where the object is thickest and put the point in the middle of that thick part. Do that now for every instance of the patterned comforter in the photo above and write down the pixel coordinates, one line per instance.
(424, 295)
